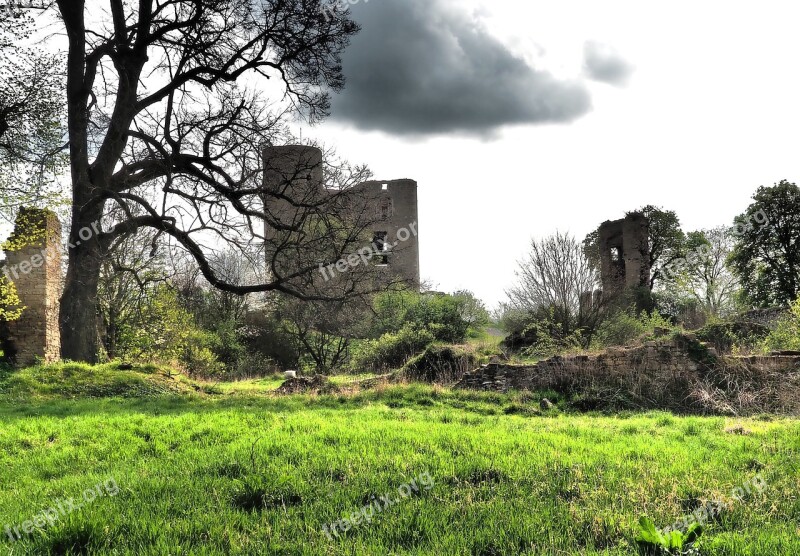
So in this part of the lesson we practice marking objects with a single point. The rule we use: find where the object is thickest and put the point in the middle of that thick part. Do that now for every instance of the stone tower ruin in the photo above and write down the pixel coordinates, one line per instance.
(624, 253)
(33, 265)
(296, 171)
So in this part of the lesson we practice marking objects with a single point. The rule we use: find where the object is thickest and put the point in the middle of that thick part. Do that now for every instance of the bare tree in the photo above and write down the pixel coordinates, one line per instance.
(706, 276)
(324, 330)
(127, 277)
(555, 274)
(166, 121)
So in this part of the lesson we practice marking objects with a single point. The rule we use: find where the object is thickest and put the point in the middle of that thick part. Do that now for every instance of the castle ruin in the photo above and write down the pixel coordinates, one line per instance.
(624, 253)
(294, 173)
(33, 253)
(33, 265)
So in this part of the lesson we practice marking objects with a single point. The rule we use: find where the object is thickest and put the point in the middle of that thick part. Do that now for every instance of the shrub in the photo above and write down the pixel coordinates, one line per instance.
(199, 358)
(730, 335)
(264, 336)
(165, 332)
(390, 351)
(448, 317)
(542, 336)
(786, 336)
(440, 364)
(624, 327)
(547, 341)
(225, 341)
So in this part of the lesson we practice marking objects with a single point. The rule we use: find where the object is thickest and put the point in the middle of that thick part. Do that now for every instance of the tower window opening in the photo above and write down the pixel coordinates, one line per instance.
(381, 247)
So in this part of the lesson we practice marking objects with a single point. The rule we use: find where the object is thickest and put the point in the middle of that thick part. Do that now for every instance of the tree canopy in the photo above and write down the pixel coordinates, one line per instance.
(766, 256)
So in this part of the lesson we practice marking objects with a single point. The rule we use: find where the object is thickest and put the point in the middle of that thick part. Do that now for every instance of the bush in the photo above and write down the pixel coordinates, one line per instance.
(728, 336)
(390, 351)
(447, 317)
(624, 327)
(264, 336)
(440, 364)
(199, 358)
(542, 336)
(786, 336)
(225, 341)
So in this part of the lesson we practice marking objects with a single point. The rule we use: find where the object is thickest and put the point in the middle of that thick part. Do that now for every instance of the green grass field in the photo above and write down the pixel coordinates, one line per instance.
(254, 474)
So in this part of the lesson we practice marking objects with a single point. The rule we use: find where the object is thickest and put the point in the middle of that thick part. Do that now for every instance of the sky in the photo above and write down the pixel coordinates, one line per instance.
(518, 119)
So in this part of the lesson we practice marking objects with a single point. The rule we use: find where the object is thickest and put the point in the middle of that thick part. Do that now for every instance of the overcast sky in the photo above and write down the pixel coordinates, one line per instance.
(520, 118)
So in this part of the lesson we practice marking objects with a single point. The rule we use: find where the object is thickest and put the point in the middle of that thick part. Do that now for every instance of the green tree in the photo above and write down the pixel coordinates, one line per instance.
(32, 142)
(766, 256)
(703, 275)
(471, 309)
(665, 241)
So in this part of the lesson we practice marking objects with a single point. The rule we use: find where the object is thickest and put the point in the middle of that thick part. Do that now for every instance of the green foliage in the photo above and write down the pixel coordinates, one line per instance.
(10, 303)
(225, 342)
(666, 239)
(546, 342)
(766, 256)
(541, 334)
(472, 310)
(448, 317)
(390, 309)
(624, 327)
(786, 335)
(390, 351)
(440, 364)
(441, 314)
(652, 542)
(165, 332)
(264, 336)
(729, 336)
(199, 355)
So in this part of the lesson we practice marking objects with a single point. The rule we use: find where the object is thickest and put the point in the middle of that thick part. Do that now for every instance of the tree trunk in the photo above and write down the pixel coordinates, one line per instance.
(79, 303)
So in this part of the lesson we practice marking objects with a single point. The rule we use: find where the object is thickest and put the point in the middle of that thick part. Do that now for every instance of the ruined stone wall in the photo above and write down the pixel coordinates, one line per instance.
(296, 172)
(33, 264)
(678, 374)
(394, 204)
(624, 253)
(654, 358)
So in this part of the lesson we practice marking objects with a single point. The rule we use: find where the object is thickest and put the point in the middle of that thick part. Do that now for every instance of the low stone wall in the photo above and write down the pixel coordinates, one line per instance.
(678, 373)
(653, 357)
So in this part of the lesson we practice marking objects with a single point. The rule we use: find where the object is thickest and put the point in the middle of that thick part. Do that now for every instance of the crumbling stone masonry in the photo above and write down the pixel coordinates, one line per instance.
(624, 253)
(33, 264)
(676, 373)
(297, 171)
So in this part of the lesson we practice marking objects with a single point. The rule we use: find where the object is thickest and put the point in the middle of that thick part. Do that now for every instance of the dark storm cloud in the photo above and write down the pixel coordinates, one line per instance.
(419, 67)
(603, 63)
